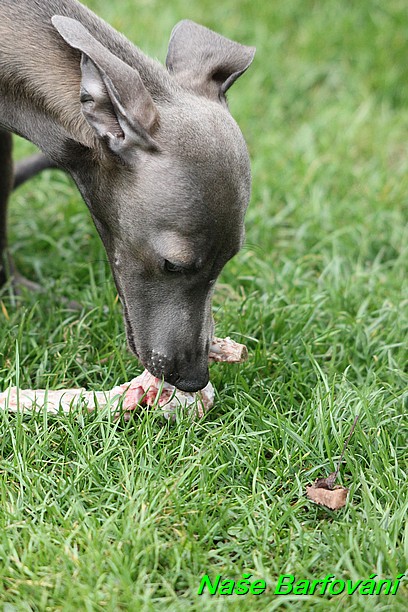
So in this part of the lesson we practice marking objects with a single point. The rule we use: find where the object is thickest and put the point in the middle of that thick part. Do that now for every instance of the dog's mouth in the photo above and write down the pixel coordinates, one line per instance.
(151, 361)
(131, 343)
(129, 332)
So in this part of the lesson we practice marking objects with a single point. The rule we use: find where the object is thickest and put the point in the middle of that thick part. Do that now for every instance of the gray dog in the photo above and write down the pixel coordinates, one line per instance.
(155, 153)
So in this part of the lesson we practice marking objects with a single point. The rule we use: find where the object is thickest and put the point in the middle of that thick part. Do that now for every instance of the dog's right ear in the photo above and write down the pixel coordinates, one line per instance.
(204, 61)
(114, 100)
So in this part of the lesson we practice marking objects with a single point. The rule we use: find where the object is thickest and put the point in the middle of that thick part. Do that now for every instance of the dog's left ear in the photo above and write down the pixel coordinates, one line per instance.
(204, 61)
(114, 99)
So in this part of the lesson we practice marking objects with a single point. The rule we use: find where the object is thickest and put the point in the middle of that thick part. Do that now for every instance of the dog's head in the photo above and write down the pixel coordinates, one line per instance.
(171, 190)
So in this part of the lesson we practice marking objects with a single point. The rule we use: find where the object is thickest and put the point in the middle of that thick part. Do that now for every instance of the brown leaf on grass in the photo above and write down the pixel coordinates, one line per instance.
(331, 498)
(323, 491)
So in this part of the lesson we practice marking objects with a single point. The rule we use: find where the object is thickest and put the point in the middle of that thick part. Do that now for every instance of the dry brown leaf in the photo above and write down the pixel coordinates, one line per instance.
(331, 498)
(323, 491)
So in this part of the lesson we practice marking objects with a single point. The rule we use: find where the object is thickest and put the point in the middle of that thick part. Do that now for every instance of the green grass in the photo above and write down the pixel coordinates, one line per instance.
(97, 514)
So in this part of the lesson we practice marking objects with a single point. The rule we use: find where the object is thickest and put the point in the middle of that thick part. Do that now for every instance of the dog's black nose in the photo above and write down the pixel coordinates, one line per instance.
(187, 372)
(192, 383)
(191, 367)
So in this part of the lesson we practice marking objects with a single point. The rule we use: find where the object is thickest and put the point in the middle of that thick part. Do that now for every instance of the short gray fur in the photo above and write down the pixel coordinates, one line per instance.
(154, 151)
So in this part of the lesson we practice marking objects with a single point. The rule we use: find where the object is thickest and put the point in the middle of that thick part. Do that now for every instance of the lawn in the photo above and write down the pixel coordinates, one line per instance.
(98, 514)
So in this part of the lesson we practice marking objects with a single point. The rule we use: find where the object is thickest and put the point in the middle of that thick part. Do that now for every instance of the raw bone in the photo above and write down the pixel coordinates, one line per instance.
(227, 350)
(144, 390)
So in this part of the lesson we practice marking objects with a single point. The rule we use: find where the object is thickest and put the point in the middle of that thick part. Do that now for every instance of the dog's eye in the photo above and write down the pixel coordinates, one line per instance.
(86, 97)
(175, 268)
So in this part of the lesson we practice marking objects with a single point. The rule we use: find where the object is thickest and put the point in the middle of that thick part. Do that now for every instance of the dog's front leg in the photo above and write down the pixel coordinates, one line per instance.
(30, 166)
(6, 183)
(8, 271)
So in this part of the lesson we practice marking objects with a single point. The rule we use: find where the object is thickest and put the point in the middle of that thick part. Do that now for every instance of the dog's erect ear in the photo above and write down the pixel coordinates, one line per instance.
(114, 100)
(206, 62)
